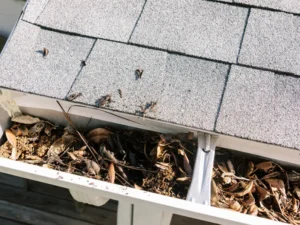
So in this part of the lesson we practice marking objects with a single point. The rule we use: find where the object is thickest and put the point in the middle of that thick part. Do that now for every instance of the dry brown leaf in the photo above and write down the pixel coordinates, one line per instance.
(80, 153)
(162, 166)
(295, 205)
(11, 138)
(186, 162)
(22, 131)
(111, 173)
(33, 157)
(232, 188)
(183, 179)
(13, 141)
(14, 154)
(277, 185)
(47, 166)
(265, 166)
(297, 191)
(214, 192)
(271, 175)
(56, 148)
(253, 210)
(235, 205)
(159, 151)
(68, 139)
(262, 193)
(222, 167)
(249, 200)
(250, 168)
(98, 135)
(182, 172)
(230, 166)
(98, 139)
(96, 167)
(98, 132)
(26, 119)
(89, 167)
(242, 193)
(294, 177)
(92, 167)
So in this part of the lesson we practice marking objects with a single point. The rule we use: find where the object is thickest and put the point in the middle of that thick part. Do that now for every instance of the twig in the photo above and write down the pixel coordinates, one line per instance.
(79, 134)
(129, 167)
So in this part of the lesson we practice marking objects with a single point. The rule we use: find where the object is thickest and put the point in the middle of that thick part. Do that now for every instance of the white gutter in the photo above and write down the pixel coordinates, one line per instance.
(138, 207)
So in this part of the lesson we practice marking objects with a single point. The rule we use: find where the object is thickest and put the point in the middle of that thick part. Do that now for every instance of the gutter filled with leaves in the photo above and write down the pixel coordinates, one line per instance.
(145, 160)
(250, 185)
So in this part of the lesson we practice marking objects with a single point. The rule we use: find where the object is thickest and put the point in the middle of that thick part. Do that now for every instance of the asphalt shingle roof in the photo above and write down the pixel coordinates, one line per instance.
(225, 66)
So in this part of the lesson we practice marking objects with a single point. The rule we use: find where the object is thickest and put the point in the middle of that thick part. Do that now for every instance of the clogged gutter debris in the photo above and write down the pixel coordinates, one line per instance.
(256, 187)
(143, 160)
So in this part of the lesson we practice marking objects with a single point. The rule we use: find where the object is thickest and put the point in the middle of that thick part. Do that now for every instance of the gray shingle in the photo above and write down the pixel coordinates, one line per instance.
(284, 5)
(24, 68)
(272, 41)
(201, 28)
(108, 19)
(111, 66)
(262, 106)
(192, 93)
(34, 9)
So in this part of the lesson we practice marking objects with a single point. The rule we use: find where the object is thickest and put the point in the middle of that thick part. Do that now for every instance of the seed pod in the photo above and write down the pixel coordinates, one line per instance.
(45, 52)
(139, 73)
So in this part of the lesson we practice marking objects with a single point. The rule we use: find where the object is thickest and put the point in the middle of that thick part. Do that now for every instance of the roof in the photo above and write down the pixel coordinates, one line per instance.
(230, 66)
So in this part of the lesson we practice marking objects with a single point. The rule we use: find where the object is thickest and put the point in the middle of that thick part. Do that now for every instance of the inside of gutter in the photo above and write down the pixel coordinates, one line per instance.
(2, 42)
(26, 187)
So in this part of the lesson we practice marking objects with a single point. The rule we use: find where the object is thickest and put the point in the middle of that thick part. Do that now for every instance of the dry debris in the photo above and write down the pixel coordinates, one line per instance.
(139, 73)
(45, 52)
(73, 96)
(104, 101)
(255, 187)
(144, 160)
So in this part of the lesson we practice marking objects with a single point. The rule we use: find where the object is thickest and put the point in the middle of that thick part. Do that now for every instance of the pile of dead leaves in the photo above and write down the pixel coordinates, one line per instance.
(144, 160)
(256, 187)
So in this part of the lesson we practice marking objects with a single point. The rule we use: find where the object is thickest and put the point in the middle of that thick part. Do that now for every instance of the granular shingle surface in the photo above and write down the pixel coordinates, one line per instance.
(200, 28)
(192, 91)
(292, 6)
(54, 73)
(33, 9)
(247, 105)
(272, 41)
(108, 19)
(111, 66)
(261, 105)
(186, 50)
